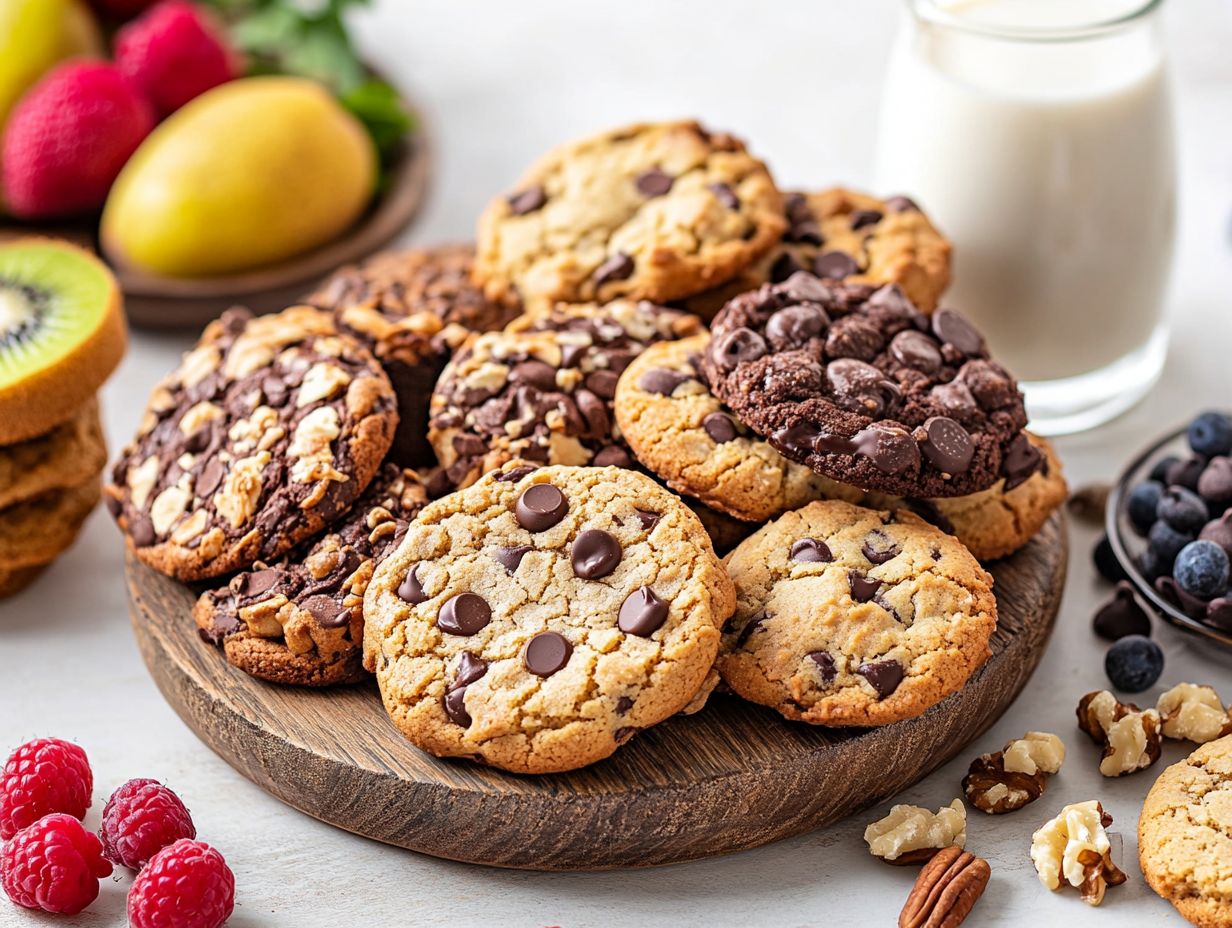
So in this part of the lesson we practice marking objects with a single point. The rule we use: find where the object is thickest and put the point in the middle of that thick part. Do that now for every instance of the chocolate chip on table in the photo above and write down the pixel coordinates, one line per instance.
(880, 548)
(864, 217)
(1121, 615)
(410, 589)
(642, 613)
(546, 653)
(662, 381)
(594, 554)
(540, 507)
(835, 265)
(811, 551)
(825, 665)
(863, 588)
(947, 445)
(511, 558)
(954, 329)
(725, 195)
(464, 614)
(618, 267)
(654, 183)
(527, 201)
(883, 676)
(719, 427)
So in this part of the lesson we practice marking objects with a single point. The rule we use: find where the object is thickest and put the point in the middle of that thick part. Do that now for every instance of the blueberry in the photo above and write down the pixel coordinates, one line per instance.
(1211, 434)
(1106, 561)
(1134, 663)
(1166, 543)
(1143, 504)
(1186, 473)
(1201, 569)
(1159, 471)
(1182, 509)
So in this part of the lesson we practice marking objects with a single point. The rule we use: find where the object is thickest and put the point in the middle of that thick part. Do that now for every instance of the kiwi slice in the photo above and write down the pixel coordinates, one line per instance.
(61, 333)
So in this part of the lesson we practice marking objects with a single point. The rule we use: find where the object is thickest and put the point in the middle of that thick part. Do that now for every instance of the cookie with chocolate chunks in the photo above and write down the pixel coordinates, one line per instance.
(268, 430)
(656, 211)
(300, 620)
(860, 386)
(540, 618)
(542, 389)
(853, 616)
(412, 308)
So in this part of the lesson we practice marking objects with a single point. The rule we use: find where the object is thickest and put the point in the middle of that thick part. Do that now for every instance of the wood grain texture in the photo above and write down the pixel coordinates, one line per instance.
(732, 777)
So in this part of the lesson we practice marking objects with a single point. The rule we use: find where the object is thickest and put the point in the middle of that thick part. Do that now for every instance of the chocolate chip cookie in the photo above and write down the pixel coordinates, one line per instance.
(411, 309)
(542, 390)
(38, 530)
(1185, 835)
(269, 429)
(852, 616)
(538, 619)
(860, 386)
(67, 456)
(839, 234)
(654, 211)
(300, 620)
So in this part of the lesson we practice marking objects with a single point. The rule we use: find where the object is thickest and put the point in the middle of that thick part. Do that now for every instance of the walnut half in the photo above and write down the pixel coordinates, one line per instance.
(1016, 775)
(909, 834)
(1129, 735)
(1074, 847)
(1193, 713)
(947, 888)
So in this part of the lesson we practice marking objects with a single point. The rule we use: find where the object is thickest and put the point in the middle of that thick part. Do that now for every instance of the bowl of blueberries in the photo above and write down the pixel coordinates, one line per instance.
(1169, 523)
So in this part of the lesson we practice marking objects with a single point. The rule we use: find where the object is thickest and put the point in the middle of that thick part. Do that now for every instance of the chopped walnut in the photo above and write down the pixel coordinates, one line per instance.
(1129, 735)
(1193, 713)
(1074, 847)
(910, 834)
(1014, 776)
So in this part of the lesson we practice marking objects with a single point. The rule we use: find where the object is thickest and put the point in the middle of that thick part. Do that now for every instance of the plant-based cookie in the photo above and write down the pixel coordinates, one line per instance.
(268, 430)
(301, 619)
(654, 211)
(538, 619)
(860, 386)
(67, 456)
(542, 390)
(839, 234)
(1185, 835)
(412, 309)
(35, 532)
(851, 616)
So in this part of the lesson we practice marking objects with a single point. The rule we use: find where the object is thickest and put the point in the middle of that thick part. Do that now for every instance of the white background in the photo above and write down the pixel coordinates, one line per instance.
(500, 81)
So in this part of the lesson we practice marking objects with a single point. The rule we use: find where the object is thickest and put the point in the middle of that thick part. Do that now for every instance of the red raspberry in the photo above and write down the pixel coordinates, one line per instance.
(185, 885)
(42, 776)
(140, 819)
(53, 865)
(174, 53)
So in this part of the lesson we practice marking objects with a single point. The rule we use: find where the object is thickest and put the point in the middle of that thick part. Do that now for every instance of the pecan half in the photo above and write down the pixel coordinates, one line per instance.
(946, 890)
(993, 789)
(1129, 736)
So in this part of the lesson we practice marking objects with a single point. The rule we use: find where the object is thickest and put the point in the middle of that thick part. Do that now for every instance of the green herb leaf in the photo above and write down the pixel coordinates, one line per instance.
(377, 105)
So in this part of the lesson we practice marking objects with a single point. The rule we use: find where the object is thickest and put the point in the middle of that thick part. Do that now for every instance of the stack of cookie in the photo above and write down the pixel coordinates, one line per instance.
(563, 444)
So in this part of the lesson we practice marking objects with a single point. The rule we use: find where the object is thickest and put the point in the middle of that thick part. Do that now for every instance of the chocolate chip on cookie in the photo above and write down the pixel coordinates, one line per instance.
(854, 395)
(269, 429)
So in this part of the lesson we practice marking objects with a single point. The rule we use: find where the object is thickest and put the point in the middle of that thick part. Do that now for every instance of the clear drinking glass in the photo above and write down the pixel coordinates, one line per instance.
(1039, 136)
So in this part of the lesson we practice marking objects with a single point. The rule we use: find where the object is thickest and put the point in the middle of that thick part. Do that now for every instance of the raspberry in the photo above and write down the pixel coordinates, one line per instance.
(185, 885)
(140, 819)
(174, 53)
(53, 865)
(43, 776)
(69, 137)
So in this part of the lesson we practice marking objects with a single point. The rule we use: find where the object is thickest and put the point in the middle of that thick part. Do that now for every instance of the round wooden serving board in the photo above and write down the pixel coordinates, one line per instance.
(734, 776)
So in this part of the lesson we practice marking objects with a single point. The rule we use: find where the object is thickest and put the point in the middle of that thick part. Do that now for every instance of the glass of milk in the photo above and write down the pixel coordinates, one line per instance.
(1039, 136)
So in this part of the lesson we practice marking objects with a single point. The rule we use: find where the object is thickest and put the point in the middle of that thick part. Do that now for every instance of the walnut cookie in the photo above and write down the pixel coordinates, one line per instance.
(655, 211)
(539, 618)
(269, 428)
(850, 616)
(67, 456)
(680, 431)
(300, 620)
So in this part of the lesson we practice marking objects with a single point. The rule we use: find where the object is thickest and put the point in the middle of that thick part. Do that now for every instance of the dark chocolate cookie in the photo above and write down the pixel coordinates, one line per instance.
(862, 387)
(268, 430)
(412, 309)
(300, 620)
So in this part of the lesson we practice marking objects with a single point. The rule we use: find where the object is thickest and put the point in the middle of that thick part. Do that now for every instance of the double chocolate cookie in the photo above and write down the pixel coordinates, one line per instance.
(412, 309)
(542, 390)
(655, 211)
(851, 616)
(860, 386)
(268, 430)
(300, 620)
(539, 618)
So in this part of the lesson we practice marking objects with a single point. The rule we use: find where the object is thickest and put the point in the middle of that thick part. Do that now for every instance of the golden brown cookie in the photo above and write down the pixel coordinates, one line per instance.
(67, 456)
(541, 617)
(37, 531)
(656, 211)
(851, 616)
(14, 581)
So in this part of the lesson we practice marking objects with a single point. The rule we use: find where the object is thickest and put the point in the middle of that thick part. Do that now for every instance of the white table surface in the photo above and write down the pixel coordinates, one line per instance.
(500, 82)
